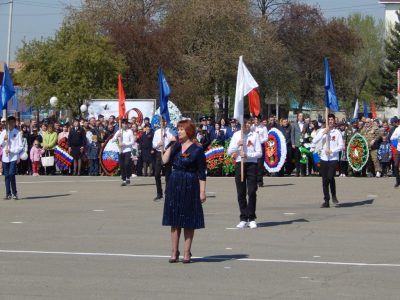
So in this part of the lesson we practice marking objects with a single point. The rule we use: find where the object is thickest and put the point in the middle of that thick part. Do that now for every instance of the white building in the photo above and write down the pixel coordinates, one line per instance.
(391, 6)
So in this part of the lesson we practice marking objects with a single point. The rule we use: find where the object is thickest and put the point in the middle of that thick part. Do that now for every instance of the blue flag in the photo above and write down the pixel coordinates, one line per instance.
(165, 91)
(331, 100)
(365, 109)
(7, 89)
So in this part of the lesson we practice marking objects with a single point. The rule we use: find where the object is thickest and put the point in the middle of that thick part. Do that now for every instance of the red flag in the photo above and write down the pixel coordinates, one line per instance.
(373, 110)
(254, 102)
(121, 98)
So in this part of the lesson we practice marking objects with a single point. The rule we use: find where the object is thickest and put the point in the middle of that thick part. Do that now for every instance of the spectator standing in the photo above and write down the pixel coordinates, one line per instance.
(384, 154)
(76, 143)
(35, 156)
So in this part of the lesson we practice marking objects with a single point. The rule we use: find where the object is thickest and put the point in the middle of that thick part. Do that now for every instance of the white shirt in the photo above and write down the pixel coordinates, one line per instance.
(262, 132)
(157, 138)
(396, 136)
(335, 144)
(251, 146)
(15, 145)
(125, 138)
(301, 126)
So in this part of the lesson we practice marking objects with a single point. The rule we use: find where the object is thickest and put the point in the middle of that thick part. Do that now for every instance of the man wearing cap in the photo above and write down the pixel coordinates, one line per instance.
(396, 138)
(331, 147)
(11, 143)
(125, 139)
(248, 149)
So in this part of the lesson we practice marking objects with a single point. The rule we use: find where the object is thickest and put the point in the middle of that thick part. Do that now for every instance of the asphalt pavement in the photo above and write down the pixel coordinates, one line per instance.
(90, 238)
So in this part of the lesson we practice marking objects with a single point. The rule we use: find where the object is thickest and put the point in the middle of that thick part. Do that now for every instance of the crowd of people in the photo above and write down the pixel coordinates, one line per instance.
(83, 140)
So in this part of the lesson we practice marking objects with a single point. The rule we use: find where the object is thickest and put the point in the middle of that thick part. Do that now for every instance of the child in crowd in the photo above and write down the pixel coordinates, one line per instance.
(93, 156)
(36, 155)
(384, 154)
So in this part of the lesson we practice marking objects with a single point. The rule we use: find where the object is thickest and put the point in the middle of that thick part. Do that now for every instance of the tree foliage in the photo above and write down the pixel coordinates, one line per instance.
(76, 65)
(198, 44)
(388, 70)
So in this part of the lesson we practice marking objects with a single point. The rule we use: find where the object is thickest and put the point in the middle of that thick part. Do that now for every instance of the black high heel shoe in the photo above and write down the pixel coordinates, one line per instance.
(187, 261)
(176, 259)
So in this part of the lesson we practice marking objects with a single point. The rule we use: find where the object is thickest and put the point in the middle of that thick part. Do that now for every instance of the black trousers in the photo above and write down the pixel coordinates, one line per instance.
(328, 171)
(158, 167)
(249, 185)
(260, 166)
(300, 168)
(396, 167)
(125, 165)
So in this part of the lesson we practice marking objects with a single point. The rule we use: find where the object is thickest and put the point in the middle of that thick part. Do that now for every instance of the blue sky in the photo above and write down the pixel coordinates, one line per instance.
(36, 19)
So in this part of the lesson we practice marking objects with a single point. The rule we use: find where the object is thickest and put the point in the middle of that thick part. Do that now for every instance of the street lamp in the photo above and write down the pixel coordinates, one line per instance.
(53, 101)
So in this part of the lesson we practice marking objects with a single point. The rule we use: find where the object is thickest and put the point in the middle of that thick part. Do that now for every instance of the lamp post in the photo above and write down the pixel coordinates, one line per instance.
(53, 103)
(83, 109)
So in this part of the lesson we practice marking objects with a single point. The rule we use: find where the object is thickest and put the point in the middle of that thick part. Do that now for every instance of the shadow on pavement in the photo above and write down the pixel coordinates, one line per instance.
(271, 224)
(220, 258)
(358, 203)
(45, 197)
(140, 184)
(272, 185)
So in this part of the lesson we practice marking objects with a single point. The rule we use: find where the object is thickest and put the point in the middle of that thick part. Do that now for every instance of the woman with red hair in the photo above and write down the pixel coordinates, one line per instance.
(185, 192)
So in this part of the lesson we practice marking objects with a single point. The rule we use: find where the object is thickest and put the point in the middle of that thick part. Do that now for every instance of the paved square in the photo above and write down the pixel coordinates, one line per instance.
(89, 238)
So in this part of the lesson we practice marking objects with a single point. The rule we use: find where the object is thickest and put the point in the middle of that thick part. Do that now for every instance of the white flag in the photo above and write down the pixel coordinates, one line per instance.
(244, 84)
(355, 115)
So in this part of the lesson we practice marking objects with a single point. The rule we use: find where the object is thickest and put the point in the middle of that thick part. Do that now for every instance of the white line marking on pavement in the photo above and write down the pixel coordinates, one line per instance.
(98, 210)
(17, 222)
(289, 214)
(316, 256)
(68, 181)
(228, 248)
(216, 258)
(304, 277)
(372, 196)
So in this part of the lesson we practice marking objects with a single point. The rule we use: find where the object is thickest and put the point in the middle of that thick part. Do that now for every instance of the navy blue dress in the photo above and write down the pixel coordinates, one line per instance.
(182, 207)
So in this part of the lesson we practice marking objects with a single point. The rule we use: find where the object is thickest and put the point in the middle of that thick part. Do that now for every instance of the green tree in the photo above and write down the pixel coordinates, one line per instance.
(367, 59)
(76, 65)
(388, 71)
(309, 37)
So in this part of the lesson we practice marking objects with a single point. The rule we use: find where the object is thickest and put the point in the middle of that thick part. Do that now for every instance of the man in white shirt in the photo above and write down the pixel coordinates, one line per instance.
(247, 148)
(161, 141)
(262, 132)
(396, 137)
(331, 148)
(125, 139)
(11, 143)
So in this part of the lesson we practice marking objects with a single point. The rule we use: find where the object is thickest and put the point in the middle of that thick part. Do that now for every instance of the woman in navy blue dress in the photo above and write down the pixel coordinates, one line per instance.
(186, 189)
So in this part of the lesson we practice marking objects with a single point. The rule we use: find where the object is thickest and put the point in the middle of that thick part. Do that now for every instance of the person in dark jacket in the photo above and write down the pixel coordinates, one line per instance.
(218, 135)
(76, 142)
(146, 150)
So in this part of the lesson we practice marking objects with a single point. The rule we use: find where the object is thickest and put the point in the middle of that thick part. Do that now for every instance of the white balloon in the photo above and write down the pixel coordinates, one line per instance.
(24, 156)
(53, 101)
(83, 108)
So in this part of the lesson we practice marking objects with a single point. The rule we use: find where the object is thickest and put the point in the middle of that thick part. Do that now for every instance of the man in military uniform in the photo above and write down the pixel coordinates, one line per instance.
(373, 138)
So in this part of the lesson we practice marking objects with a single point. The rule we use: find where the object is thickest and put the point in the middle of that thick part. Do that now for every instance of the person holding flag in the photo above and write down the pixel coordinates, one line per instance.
(10, 139)
(163, 137)
(245, 148)
(332, 142)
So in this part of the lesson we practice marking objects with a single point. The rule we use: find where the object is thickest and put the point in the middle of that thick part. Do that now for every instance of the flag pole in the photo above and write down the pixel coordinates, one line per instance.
(327, 126)
(162, 135)
(242, 159)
